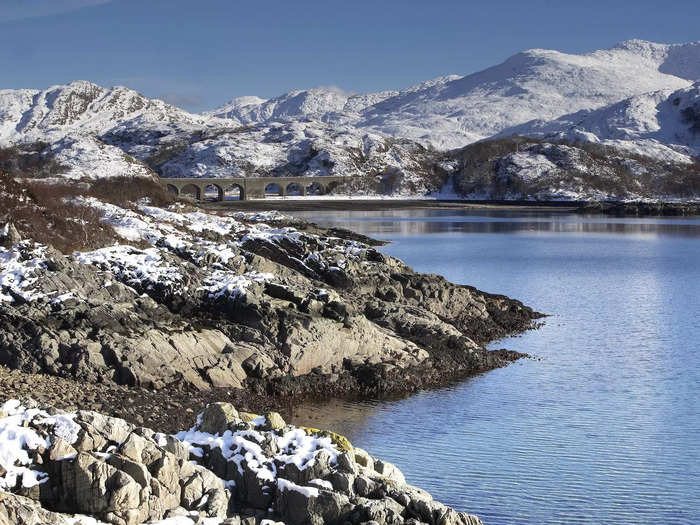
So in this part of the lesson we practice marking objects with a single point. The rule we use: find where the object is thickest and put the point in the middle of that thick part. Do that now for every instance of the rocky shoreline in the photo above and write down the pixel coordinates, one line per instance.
(642, 209)
(218, 302)
(253, 309)
(612, 208)
(231, 468)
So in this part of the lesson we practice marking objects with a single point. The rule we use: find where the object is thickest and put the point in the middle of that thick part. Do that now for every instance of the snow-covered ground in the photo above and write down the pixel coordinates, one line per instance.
(156, 242)
(18, 272)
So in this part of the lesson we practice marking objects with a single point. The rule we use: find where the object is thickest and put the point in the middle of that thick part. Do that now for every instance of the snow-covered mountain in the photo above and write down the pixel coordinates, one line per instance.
(73, 119)
(452, 111)
(662, 124)
(638, 96)
(101, 132)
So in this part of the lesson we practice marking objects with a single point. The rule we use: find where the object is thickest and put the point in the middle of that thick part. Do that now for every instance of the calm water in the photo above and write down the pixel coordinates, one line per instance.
(604, 426)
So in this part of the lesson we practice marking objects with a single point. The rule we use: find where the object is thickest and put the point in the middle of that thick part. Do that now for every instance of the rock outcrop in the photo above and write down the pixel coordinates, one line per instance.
(219, 301)
(231, 468)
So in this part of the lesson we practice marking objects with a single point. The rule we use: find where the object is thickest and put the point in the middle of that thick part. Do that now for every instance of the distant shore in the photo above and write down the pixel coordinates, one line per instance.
(301, 204)
(606, 208)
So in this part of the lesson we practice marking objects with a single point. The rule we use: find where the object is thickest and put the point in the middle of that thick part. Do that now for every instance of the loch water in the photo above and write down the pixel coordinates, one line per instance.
(602, 425)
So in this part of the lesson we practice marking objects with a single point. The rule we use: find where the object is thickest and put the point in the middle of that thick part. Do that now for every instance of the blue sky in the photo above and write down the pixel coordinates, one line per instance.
(199, 54)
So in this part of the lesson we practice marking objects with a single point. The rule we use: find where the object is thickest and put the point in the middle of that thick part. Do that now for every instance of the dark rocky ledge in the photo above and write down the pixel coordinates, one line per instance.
(148, 334)
(336, 317)
(653, 209)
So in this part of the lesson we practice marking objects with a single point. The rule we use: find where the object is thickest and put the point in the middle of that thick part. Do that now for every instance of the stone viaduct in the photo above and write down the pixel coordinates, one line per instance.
(244, 188)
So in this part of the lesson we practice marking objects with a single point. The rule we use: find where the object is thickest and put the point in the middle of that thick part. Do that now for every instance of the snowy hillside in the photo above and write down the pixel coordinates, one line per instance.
(663, 124)
(95, 132)
(638, 96)
(537, 84)
(519, 168)
(72, 119)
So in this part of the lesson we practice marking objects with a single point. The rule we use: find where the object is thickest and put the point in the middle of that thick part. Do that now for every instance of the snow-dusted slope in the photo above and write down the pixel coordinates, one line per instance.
(83, 108)
(74, 118)
(452, 111)
(637, 96)
(535, 84)
(312, 103)
(663, 124)
(530, 169)
(318, 104)
(101, 132)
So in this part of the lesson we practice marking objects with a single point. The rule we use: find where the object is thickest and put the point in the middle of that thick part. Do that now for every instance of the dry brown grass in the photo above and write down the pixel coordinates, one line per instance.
(44, 213)
(124, 191)
(30, 160)
(48, 213)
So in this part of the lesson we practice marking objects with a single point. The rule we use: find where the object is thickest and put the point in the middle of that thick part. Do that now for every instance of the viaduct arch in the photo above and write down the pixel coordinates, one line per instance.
(245, 188)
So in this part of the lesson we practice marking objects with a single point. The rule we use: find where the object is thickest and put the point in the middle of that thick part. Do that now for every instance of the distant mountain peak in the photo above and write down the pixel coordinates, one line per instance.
(599, 96)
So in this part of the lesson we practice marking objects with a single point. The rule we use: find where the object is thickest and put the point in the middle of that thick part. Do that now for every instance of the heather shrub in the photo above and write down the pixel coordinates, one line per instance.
(44, 212)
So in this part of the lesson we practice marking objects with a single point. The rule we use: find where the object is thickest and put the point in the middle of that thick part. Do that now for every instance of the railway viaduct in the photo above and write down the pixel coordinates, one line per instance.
(245, 188)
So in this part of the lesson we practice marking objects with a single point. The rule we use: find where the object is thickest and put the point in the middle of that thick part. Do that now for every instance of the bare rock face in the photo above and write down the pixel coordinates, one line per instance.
(240, 472)
(110, 470)
(284, 305)
(20, 510)
(9, 235)
(217, 417)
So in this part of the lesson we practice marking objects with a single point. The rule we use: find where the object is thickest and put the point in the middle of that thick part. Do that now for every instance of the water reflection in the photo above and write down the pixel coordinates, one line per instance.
(603, 427)
(418, 222)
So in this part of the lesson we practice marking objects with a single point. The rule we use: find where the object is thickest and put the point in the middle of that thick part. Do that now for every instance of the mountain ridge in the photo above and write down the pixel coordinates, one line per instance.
(556, 84)
(618, 97)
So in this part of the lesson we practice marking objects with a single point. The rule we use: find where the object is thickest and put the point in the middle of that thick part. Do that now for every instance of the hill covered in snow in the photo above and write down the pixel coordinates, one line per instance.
(454, 110)
(639, 97)
(662, 124)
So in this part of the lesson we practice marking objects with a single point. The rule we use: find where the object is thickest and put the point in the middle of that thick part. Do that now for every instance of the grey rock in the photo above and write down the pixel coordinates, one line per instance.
(435, 513)
(9, 235)
(385, 510)
(389, 471)
(60, 449)
(273, 421)
(365, 487)
(342, 482)
(217, 416)
(363, 459)
(148, 477)
(18, 510)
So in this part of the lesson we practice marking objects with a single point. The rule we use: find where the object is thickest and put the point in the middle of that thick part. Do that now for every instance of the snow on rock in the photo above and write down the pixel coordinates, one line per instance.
(225, 284)
(130, 224)
(250, 448)
(193, 519)
(245, 465)
(663, 124)
(141, 269)
(286, 485)
(19, 266)
(178, 238)
(18, 440)
(89, 158)
(539, 170)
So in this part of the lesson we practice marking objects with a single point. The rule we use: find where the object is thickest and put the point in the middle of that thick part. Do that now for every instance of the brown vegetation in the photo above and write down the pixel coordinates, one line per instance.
(30, 160)
(48, 212)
